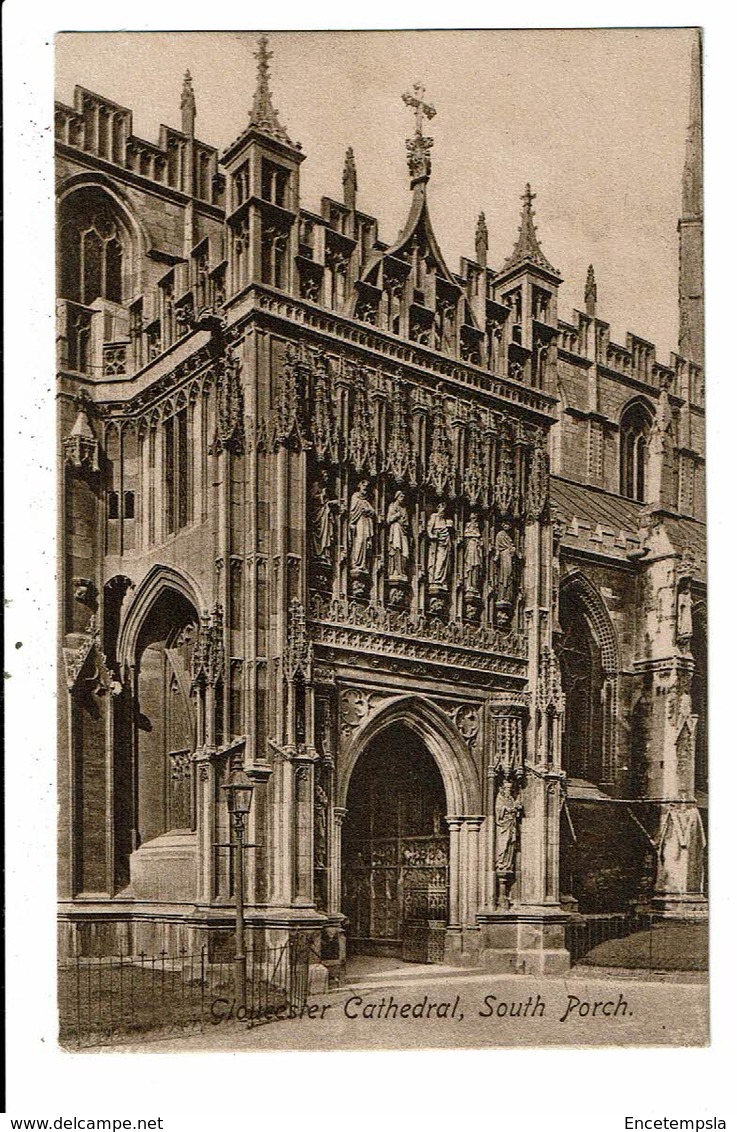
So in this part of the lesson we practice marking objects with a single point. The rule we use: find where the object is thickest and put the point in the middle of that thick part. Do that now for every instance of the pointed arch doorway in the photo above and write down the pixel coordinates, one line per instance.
(396, 850)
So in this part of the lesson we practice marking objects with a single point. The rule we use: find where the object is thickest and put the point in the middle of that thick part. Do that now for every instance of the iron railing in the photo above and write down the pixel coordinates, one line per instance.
(117, 999)
(637, 941)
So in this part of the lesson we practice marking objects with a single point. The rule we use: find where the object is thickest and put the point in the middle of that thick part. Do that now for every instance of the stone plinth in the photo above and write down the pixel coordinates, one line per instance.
(522, 942)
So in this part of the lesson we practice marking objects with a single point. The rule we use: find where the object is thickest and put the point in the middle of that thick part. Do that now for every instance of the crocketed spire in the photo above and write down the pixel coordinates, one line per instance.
(590, 292)
(187, 104)
(263, 115)
(527, 249)
(350, 179)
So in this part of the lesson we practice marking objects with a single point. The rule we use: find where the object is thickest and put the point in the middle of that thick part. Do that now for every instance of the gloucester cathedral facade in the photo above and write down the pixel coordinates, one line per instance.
(423, 553)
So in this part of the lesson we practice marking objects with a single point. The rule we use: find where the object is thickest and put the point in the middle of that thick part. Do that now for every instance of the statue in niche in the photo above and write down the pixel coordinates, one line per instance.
(473, 555)
(505, 555)
(323, 522)
(507, 813)
(440, 537)
(684, 625)
(321, 826)
(397, 519)
(362, 523)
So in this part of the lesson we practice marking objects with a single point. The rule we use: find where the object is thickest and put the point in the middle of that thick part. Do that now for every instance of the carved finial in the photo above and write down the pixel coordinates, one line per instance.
(419, 146)
(187, 104)
(528, 247)
(482, 240)
(590, 292)
(350, 180)
(263, 115)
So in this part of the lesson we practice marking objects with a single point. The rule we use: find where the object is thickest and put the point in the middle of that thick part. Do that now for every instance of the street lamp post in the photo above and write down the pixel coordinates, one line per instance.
(238, 791)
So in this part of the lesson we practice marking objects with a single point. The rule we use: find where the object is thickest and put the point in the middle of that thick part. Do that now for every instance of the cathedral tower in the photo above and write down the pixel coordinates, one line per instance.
(691, 228)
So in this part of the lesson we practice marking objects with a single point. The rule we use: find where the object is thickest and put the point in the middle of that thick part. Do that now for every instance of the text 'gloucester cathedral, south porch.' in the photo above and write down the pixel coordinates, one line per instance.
(425, 556)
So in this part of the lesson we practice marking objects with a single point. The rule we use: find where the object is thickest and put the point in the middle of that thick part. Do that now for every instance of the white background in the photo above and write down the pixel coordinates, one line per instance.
(550, 1089)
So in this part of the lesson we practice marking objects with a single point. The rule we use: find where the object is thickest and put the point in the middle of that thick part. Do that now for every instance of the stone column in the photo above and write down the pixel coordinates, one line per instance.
(336, 861)
(472, 873)
(304, 831)
(283, 825)
(454, 906)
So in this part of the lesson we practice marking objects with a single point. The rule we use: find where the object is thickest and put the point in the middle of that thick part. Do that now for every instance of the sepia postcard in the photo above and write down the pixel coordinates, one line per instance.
(382, 677)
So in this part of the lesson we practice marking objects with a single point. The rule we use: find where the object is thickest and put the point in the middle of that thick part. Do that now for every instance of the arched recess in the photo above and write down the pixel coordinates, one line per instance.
(158, 724)
(158, 579)
(77, 199)
(589, 657)
(442, 739)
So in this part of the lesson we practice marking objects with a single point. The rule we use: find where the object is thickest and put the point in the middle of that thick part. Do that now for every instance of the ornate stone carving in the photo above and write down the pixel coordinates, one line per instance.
(473, 556)
(474, 476)
(322, 528)
(376, 628)
(550, 696)
(440, 550)
(684, 613)
(81, 448)
(362, 526)
(356, 705)
(440, 463)
(85, 664)
(229, 404)
(362, 441)
(505, 558)
(418, 146)
(399, 455)
(504, 485)
(208, 660)
(181, 766)
(508, 810)
(537, 484)
(397, 521)
(507, 742)
(298, 656)
(466, 719)
(85, 591)
(324, 428)
(291, 427)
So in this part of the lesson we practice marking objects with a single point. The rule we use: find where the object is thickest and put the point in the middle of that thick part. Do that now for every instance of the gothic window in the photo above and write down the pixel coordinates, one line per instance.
(136, 333)
(583, 684)
(633, 434)
(129, 505)
(91, 249)
(204, 178)
(201, 279)
(176, 471)
(275, 184)
(168, 317)
(242, 184)
(113, 505)
(274, 258)
(337, 282)
(239, 257)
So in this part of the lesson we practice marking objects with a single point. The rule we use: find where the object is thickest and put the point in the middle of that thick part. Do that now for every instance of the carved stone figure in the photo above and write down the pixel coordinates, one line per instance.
(440, 536)
(362, 522)
(397, 519)
(473, 556)
(321, 826)
(684, 629)
(505, 553)
(507, 812)
(323, 523)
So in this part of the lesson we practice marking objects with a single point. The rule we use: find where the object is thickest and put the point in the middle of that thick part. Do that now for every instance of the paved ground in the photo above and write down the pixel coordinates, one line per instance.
(385, 1006)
